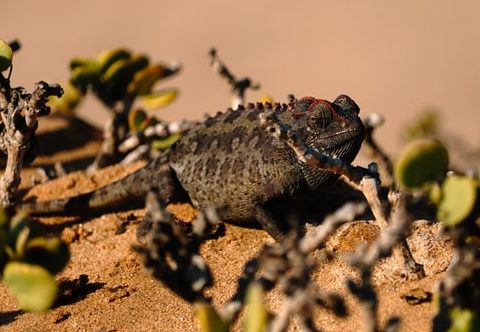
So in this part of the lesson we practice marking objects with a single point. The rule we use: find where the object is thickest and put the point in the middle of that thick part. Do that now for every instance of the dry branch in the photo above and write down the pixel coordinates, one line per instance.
(19, 111)
(238, 86)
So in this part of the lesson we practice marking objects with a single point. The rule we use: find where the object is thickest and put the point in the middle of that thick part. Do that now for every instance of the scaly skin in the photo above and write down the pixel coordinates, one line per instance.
(230, 162)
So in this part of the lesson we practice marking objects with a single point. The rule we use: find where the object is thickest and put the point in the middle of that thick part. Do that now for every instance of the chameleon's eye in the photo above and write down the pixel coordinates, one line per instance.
(321, 116)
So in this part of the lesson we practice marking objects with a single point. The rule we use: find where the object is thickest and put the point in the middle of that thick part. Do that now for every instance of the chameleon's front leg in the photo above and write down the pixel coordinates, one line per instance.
(269, 223)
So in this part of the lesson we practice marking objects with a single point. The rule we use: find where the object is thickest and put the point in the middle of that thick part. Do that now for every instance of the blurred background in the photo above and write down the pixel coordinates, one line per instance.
(396, 58)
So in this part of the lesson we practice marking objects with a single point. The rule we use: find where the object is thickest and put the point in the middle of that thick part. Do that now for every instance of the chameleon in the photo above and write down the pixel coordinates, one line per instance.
(230, 162)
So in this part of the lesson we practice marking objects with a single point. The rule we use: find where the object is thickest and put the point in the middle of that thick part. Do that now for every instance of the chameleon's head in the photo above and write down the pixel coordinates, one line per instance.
(334, 128)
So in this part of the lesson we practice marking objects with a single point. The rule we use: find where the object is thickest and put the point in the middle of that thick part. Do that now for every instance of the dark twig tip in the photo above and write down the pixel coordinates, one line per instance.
(15, 45)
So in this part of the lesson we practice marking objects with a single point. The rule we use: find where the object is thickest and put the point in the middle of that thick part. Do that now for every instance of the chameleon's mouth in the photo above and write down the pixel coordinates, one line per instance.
(344, 149)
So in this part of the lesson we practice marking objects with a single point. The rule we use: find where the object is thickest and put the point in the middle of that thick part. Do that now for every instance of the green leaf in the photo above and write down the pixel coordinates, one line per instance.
(159, 99)
(17, 224)
(257, 315)
(68, 102)
(107, 58)
(135, 119)
(209, 319)
(458, 198)
(82, 62)
(3, 235)
(84, 76)
(33, 286)
(464, 320)
(145, 79)
(6, 55)
(163, 144)
(420, 163)
(21, 243)
(48, 252)
(3, 218)
(120, 73)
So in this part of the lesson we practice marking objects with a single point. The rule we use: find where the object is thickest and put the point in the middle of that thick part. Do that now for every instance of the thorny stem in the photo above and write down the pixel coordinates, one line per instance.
(372, 122)
(171, 256)
(114, 133)
(238, 86)
(460, 287)
(19, 112)
(137, 144)
(365, 259)
(347, 212)
(286, 262)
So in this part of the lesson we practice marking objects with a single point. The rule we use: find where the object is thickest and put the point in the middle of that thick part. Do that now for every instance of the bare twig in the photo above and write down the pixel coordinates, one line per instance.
(373, 121)
(171, 256)
(288, 264)
(344, 214)
(19, 111)
(365, 258)
(461, 286)
(238, 86)
(138, 144)
(114, 131)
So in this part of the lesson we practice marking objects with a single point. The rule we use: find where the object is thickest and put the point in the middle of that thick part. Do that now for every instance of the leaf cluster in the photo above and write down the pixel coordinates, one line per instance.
(29, 260)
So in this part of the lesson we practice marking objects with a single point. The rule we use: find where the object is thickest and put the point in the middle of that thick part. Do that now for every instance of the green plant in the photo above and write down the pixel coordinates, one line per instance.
(29, 260)
(119, 78)
(422, 166)
(6, 56)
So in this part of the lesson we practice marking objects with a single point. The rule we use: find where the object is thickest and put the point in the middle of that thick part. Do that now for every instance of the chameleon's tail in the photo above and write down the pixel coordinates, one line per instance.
(133, 186)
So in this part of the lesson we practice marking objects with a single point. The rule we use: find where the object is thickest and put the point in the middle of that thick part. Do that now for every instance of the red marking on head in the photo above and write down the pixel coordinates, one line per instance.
(324, 102)
(310, 99)
(312, 102)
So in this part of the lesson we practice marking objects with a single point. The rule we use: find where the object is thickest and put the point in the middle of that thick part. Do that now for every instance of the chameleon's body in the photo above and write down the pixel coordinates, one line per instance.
(230, 162)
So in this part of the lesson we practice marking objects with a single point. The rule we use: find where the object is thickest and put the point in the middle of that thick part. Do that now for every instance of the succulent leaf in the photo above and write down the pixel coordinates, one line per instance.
(464, 320)
(209, 319)
(82, 62)
(459, 195)
(163, 144)
(84, 75)
(256, 316)
(145, 79)
(68, 102)
(135, 119)
(421, 162)
(6, 56)
(159, 99)
(48, 252)
(108, 57)
(21, 243)
(17, 224)
(120, 73)
(33, 286)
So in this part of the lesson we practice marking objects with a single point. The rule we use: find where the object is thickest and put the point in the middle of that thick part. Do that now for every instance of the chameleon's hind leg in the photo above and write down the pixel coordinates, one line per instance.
(168, 188)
